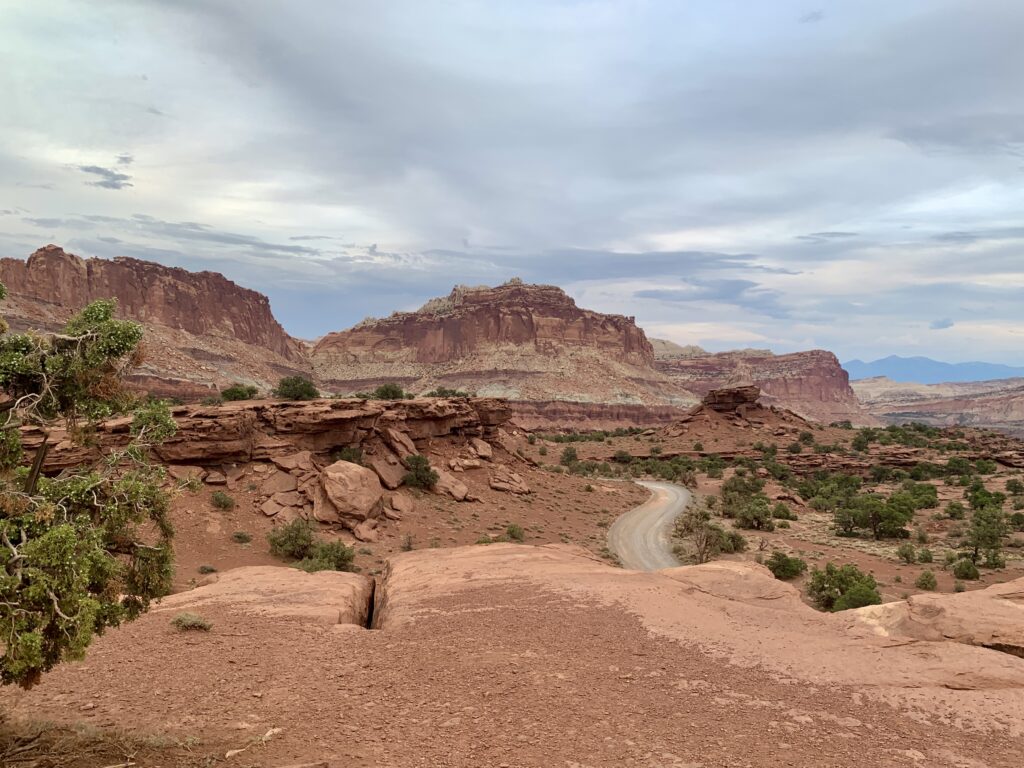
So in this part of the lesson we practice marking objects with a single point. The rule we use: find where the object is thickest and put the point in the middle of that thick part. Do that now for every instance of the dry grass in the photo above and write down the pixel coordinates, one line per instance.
(45, 745)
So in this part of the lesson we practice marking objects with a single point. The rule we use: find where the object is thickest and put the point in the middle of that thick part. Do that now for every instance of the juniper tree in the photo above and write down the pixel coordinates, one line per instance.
(88, 548)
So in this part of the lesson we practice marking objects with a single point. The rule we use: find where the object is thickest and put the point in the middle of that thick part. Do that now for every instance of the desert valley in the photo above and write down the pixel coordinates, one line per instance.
(507, 530)
(465, 384)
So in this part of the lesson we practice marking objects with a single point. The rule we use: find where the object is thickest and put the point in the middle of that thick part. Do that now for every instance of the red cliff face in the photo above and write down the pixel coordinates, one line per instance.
(812, 383)
(521, 341)
(539, 316)
(202, 331)
(200, 303)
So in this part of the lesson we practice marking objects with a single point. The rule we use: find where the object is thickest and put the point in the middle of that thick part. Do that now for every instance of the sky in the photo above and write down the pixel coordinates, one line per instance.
(785, 175)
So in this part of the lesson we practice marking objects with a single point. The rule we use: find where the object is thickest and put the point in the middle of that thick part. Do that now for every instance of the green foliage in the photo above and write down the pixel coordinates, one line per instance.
(292, 541)
(1017, 521)
(705, 538)
(90, 548)
(795, 448)
(205, 569)
(807, 438)
(515, 532)
(191, 622)
(297, 541)
(221, 500)
(420, 475)
(985, 467)
(349, 453)
(956, 511)
(296, 388)
(241, 537)
(239, 392)
(926, 581)
(1014, 486)
(924, 556)
(569, 457)
(10, 448)
(445, 392)
(698, 446)
(985, 536)
(543, 450)
(838, 588)
(785, 567)
(756, 513)
(978, 496)
(781, 512)
(389, 391)
(966, 570)
(409, 543)
(907, 553)
(923, 495)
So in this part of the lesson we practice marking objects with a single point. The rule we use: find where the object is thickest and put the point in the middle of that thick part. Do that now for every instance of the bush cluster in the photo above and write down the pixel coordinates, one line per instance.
(298, 542)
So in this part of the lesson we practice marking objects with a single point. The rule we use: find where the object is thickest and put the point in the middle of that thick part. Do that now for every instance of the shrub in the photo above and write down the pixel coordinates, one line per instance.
(1017, 521)
(1015, 486)
(806, 438)
(190, 622)
(239, 392)
(924, 556)
(926, 581)
(204, 569)
(420, 475)
(698, 446)
(907, 553)
(296, 388)
(958, 586)
(515, 532)
(955, 510)
(569, 457)
(241, 537)
(785, 567)
(408, 543)
(348, 453)
(10, 449)
(966, 570)
(445, 392)
(531, 439)
(389, 391)
(212, 400)
(838, 588)
(589, 488)
(543, 450)
(781, 512)
(795, 448)
(756, 513)
(221, 500)
(327, 556)
(293, 541)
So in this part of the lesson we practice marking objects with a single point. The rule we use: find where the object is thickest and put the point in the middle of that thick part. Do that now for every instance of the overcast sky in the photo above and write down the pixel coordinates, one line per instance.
(844, 174)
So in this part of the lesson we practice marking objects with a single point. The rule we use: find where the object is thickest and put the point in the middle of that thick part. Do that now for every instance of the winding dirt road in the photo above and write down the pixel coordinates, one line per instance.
(642, 538)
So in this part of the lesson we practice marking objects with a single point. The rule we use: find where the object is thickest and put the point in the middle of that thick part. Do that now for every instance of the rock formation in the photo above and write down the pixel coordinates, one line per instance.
(812, 383)
(731, 399)
(515, 340)
(202, 330)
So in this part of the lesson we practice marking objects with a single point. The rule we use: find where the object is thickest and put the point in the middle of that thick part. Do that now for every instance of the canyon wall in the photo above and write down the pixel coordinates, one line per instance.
(811, 383)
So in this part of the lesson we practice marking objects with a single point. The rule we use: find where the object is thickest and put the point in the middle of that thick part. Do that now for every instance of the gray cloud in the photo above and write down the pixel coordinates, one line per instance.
(941, 325)
(125, 159)
(109, 178)
(812, 17)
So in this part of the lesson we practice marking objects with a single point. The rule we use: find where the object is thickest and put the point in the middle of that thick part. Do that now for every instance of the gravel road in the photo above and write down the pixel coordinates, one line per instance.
(642, 537)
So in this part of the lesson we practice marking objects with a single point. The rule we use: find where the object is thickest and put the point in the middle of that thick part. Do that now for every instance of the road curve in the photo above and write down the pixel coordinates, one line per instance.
(642, 537)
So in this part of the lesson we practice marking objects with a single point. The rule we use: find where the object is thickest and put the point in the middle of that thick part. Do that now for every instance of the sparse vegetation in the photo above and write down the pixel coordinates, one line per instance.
(839, 588)
(926, 581)
(298, 542)
(907, 553)
(515, 532)
(239, 392)
(445, 392)
(191, 622)
(784, 566)
(221, 500)
(205, 569)
(389, 391)
(296, 388)
(419, 474)
(349, 453)
(966, 570)
(241, 537)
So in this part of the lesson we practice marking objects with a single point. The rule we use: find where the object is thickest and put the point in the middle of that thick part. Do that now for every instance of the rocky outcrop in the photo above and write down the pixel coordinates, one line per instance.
(515, 340)
(731, 399)
(202, 330)
(812, 383)
(236, 433)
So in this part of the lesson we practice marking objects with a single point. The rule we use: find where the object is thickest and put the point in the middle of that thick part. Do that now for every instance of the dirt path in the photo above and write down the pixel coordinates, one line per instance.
(642, 537)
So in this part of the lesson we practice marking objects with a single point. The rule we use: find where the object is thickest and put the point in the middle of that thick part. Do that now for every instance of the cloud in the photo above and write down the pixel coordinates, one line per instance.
(109, 179)
(812, 17)
(940, 325)
(125, 159)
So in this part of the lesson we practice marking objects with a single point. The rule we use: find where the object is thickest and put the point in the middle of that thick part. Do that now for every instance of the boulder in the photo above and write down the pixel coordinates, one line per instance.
(448, 484)
(481, 448)
(504, 479)
(347, 494)
(400, 442)
(216, 478)
(301, 460)
(366, 530)
(279, 482)
(387, 467)
(270, 508)
(461, 465)
(399, 504)
(185, 472)
(730, 399)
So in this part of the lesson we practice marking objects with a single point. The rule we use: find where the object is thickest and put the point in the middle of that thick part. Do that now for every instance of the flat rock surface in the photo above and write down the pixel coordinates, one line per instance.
(542, 656)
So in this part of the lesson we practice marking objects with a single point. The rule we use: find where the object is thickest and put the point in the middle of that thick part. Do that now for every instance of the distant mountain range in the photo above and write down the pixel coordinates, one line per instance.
(924, 370)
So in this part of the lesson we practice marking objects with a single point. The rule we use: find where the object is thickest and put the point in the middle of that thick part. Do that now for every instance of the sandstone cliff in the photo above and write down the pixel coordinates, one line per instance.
(516, 340)
(812, 383)
(203, 331)
(997, 404)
